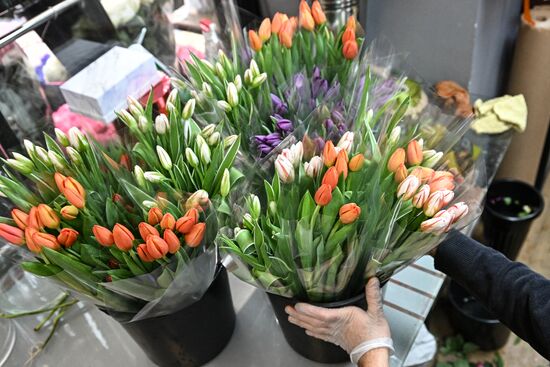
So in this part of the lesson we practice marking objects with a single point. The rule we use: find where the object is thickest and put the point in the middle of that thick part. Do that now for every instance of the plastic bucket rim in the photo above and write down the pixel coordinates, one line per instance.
(334, 304)
(457, 307)
(528, 217)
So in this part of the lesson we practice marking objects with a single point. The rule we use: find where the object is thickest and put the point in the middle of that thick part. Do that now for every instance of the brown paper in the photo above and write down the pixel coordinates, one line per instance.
(530, 76)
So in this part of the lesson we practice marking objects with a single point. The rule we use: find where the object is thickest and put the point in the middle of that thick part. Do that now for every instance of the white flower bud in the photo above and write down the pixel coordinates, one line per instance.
(224, 106)
(62, 138)
(208, 130)
(132, 102)
(254, 206)
(214, 139)
(254, 69)
(207, 90)
(220, 71)
(57, 161)
(248, 77)
(433, 160)
(42, 156)
(230, 140)
(161, 124)
(238, 83)
(20, 166)
(191, 158)
(189, 109)
(143, 124)
(164, 158)
(173, 96)
(149, 204)
(205, 153)
(140, 176)
(232, 95)
(225, 183)
(29, 147)
(153, 176)
(74, 156)
(259, 80)
(394, 136)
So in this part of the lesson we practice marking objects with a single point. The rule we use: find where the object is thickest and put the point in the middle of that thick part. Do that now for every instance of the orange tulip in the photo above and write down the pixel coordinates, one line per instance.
(349, 213)
(348, 35)
(67, 237)
(278, 20)
(29, 232)
(351, 23)
(143, 254)
(350, 50)
(286, 33)
(304, 7)
(401, 174)
(34, 219)
(442, 180)
(20, 217)
(331, 178)
(74, 192)
(356, 163)
(156, 247)
(317, 12)
(255, 41)
(329, 154)
(125, 162)
(342, 163)
(195, 236)
(154, 216)
(424, 174)
(306, 21)
(294, 23)
(414, 153)
(124, 239)
(265, 30)
(323, 196)
(41, 239)
(186, 223)
(396, 159)
(146, 230)
(172, 240)
(47, 216)
(103, 235)
(12, 234)
(59, 178)
(168, 221)
(69, 212)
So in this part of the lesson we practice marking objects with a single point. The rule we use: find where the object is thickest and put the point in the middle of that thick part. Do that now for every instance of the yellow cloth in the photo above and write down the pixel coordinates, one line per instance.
(497, 115)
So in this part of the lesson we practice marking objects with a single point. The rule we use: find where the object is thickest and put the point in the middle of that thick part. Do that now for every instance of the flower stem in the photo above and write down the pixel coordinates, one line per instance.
(61, 300)
(36, 312)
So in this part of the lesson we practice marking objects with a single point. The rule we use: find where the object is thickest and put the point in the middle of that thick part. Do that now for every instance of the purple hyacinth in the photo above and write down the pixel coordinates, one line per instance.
(279, 107)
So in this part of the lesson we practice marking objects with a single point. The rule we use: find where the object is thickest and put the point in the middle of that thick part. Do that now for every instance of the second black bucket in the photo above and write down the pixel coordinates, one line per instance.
(503, 228)
(314, 349)
(192, 336)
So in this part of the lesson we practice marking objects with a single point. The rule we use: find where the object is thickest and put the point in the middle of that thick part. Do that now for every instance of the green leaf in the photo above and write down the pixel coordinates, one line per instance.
(43, 270)
(307, 206)
(134, 268)
(330, 212)
(149, 106)
(304, 241)
(469, 348)
(80, 271)
(111, 212)
(210, 179)
(93, 256)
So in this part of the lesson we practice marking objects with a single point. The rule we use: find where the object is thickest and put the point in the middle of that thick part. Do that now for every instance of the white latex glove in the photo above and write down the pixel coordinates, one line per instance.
(348, 326)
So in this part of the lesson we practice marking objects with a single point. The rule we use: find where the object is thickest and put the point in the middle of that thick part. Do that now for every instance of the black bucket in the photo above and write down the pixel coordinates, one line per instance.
(474, 322)
(502, 228)
(192, 336)
(312, 348)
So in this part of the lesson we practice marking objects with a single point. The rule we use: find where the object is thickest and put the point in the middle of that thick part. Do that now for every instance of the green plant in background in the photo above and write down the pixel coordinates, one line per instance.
(456, 351)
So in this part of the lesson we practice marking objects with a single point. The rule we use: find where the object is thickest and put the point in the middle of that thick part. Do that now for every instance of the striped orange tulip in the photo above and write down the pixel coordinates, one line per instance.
(154, 216)
(46, 240)
(47, 216)
(20, 217)
(12, 234)
(67, 237)
(157, 248)
(146, 230)
(168, 221)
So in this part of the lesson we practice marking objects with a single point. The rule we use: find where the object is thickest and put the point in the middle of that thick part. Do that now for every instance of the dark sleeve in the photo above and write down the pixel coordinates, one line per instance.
(518, 296)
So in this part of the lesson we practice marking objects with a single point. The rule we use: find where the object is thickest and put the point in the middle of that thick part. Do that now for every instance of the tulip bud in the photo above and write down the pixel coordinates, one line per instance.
(350, 49)
(225, 184)
(265, 30)
(146, 230)
(448, 196)
(248, 77)
(286, 33)
(342, 163)
(103, 236)
(401, 173)
(419, 199)
(161, 124)
(23, 168)
(154, 176)
(356, 163)
(29, 147)
(123, 238)
(154, 216)
(259, 80)
(306, 21)
(135, 104)
(396, 159)
(442, 180)
(285, 169)
(433, 204)
(238, 82)
(346, 142)
(74, 192)
(207, 90)
(172, 240)
(394, 136)
(12, 234)
(329, 154)
(349, 213)
(45, 240)
(164, 158)
(67, 237)
(317, 13)
(34, 220)
(20, 218)
(170, 106)
(189, 109)
(205, 154)
(74, 156)
(254, 69)
(230, 140)
(208, 130)
(157, 248)
(57, 160)
(407, 188)
(232, 95)
(313, 167)
(62, 138)
(224, 106)
(459, 211)
(323, 195)
(143, 254)
(140, 176)
(424, 174)
(168, 221)
(191, 158)
(421, 144)
(47, 216)
(437, 225)
(220, 71)
(42, 156)
(185, 223)
(254, 40)
(414, 153)
(214, 139)
(143, 124)
(348, 35)
(69, 212)
(433, 160)
(195, 236)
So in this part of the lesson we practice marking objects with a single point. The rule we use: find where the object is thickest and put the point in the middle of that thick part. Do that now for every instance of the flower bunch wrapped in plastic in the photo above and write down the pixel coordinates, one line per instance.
(336, 212)
(139, 242)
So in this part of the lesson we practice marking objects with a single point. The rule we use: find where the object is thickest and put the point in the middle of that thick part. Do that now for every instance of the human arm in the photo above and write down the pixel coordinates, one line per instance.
(518, 296)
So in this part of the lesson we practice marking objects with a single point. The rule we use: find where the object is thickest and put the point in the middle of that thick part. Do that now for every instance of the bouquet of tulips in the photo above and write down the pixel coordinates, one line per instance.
(336, 209)
(137, 241)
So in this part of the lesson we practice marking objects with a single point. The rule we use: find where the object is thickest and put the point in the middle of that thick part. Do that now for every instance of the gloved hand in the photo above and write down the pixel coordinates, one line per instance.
(348, 326)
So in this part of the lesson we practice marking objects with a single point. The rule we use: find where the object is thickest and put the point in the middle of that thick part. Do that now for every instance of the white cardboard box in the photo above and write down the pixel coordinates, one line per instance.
(101, 88)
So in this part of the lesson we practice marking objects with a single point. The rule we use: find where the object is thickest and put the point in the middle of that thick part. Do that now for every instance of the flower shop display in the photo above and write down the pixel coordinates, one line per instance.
(132, 227)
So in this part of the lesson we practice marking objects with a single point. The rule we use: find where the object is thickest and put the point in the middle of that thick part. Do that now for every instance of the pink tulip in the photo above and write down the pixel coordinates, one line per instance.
(421, 196)
(408, 187)
(437, 225)
(459, 211)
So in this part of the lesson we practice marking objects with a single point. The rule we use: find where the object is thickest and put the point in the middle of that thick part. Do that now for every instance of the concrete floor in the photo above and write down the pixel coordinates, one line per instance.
(536, 254)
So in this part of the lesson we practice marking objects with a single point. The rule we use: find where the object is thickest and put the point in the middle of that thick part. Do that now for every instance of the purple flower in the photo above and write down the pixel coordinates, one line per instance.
(319, 144)
(333, 91)
(319, 88)
(299, 81)
(316, 73)
(337, 116)
(279, 107)
(329, 124)
(266, 143)
(283, 125)
(383, 92)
